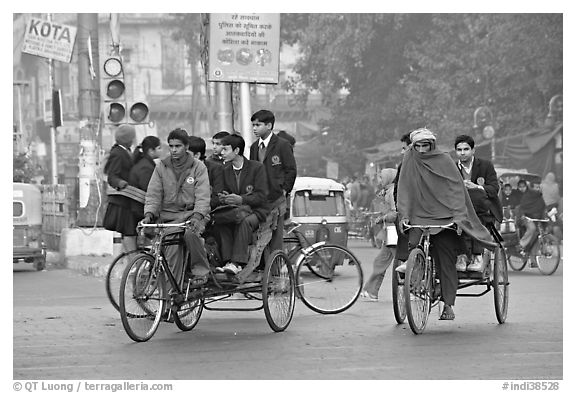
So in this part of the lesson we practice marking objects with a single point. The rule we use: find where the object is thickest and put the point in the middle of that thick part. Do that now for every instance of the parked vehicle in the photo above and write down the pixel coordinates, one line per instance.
(28, 243)
(318, 205)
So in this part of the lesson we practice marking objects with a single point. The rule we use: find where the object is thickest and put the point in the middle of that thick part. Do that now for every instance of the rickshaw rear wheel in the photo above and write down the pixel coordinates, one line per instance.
(278, 291)
(499, 281)
(398, 299)
(188, 314)
(417, 291)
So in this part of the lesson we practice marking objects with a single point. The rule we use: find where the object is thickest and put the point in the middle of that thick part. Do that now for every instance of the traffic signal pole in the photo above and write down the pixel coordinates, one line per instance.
(90, 203)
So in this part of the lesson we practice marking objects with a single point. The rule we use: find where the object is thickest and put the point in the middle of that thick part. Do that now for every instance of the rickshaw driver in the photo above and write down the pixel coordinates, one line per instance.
(179, 190)
(431, 191)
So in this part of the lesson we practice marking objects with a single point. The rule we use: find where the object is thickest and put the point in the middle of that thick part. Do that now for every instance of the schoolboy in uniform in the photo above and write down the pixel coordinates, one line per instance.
(278, 158)
(244, 184)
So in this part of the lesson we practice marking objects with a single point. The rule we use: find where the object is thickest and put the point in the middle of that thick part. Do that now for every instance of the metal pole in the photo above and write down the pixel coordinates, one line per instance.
(53, 155)
(54, 159)
(224, 114)
(20, 122)
(246, 112)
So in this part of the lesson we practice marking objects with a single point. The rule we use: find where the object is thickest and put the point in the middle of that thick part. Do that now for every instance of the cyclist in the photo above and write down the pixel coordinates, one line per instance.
(531, 205)
(179, 190)
(431, 191)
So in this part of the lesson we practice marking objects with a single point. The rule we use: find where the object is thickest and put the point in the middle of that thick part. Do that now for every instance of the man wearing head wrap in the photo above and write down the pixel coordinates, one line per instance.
(431, 192)
(118, 216)
(386, 254)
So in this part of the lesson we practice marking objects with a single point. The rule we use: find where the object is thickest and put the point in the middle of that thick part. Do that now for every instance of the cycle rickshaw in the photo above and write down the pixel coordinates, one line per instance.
(417, 291)
(145, 300)
(543, 252)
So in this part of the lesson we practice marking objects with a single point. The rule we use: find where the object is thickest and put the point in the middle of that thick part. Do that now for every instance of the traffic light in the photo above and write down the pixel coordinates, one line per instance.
(115, 98)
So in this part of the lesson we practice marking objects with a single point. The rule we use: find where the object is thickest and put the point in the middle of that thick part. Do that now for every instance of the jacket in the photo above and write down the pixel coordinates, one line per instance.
(485, 170)
(253, 186)
(175, 200)
(279, 164)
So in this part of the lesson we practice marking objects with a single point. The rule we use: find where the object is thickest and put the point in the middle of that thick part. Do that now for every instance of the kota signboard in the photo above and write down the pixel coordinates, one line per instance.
(244, 48)
(49, 39)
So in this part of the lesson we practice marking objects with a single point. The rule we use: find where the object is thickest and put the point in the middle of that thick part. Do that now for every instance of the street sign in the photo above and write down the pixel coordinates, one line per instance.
(49, 39)
(244, 48)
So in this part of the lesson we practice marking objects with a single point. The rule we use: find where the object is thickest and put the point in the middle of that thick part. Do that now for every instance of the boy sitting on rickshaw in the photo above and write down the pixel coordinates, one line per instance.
(242, 204)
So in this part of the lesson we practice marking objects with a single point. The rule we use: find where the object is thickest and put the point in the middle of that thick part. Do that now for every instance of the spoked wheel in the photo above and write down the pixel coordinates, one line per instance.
(516, 262)
(547, 254)
(188, 314)
(278, 291)
(417, 291)
(114, 276)
(499, 282)
(142, 293)
(398, 299)
(329, 279)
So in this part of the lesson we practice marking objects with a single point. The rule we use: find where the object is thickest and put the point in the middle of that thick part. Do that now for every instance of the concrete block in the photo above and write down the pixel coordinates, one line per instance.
(86, 241)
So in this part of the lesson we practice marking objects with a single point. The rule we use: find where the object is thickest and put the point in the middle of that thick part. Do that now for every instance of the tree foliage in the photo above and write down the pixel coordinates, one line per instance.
(408, 70)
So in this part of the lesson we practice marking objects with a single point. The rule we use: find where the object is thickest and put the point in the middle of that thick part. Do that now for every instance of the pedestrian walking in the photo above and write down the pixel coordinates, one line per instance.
(387, 253)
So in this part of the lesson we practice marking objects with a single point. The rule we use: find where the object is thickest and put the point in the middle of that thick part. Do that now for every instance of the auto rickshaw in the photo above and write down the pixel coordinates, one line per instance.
(318, 205)
(28, 243)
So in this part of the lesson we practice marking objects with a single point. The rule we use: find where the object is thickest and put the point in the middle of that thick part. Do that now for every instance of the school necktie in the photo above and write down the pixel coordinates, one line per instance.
(261, 152)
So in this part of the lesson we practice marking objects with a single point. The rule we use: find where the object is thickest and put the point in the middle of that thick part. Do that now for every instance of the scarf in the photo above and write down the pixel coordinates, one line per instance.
(431, 192)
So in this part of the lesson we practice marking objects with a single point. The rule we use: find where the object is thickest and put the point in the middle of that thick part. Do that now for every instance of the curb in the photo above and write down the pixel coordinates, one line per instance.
(88, 265)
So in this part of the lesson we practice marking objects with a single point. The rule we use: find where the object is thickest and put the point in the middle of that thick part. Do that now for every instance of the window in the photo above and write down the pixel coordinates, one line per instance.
(17, 209)
(172, 64)
(307, 203)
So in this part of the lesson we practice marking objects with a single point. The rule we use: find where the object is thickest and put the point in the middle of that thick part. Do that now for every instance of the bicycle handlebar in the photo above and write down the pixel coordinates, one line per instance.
(537, 219)
(165, 225)
(452, 225)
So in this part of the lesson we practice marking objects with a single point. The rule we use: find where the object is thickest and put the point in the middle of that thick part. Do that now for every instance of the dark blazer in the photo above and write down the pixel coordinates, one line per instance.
(216, 181)
(280, 166)
(118, 165)
(485, 169)
(141, 173)
(253, 188)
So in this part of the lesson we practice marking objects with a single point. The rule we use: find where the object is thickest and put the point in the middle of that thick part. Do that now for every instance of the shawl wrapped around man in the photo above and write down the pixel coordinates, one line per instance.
(431, 192)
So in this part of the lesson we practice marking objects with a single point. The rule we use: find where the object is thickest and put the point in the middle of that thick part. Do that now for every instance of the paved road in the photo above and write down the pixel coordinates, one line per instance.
(64, 328)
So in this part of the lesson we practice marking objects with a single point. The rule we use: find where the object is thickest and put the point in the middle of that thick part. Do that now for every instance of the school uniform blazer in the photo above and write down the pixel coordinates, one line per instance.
(279, 164)
(253, 186)
(485, 169)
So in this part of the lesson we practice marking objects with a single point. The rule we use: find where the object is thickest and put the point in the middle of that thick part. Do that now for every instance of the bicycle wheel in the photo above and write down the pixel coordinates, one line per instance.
(188, 314)
(499, 281)
(398, 299)
(114, 276)
(278, 291)
(516, 262)
(547, 254)
(417, 288)
(329, 279)
(142, 300)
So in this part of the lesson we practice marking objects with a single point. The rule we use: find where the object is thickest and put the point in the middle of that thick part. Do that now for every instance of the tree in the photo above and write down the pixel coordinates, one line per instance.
(405, 71)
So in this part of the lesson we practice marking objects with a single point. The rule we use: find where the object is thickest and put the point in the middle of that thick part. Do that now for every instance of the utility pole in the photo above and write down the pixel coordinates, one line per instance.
(246, 113)
(224, 112)
(90, 204)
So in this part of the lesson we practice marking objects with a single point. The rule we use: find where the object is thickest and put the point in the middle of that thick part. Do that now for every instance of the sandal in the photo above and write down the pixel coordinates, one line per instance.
(447, 314)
